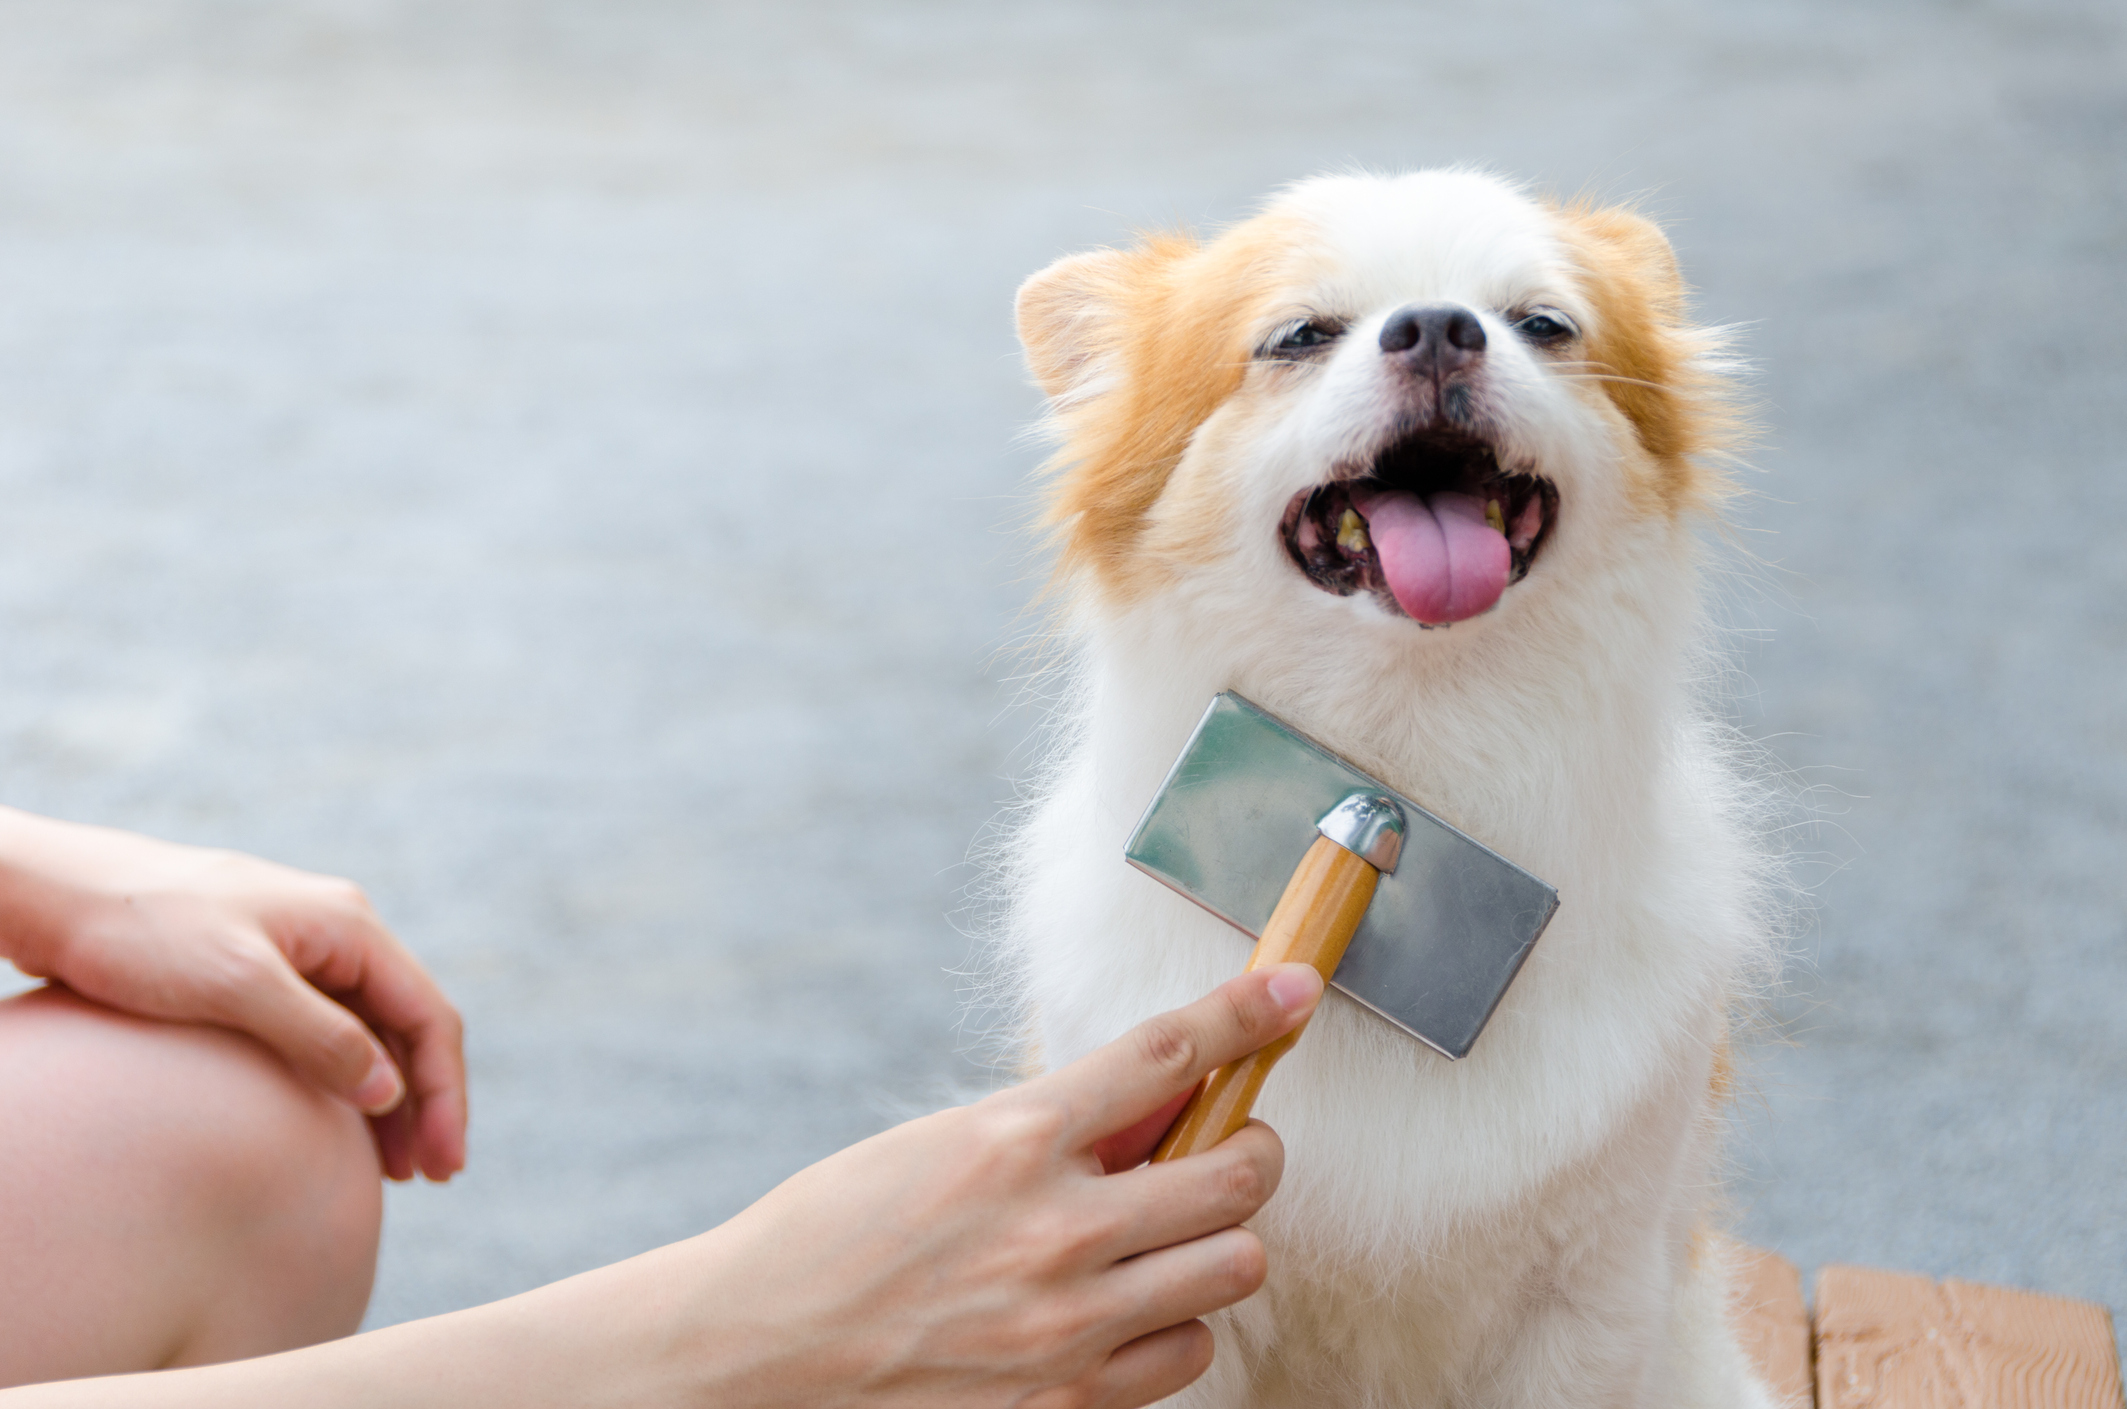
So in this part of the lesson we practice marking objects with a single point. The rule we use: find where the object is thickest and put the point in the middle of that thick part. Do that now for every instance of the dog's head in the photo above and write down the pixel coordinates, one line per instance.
(1403, 400)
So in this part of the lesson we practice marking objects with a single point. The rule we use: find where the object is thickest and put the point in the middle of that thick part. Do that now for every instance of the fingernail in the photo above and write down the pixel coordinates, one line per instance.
(381, 1090)
(1295, 987)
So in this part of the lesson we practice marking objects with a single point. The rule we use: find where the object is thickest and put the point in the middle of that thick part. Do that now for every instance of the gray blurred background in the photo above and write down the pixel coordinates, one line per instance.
(541, 459)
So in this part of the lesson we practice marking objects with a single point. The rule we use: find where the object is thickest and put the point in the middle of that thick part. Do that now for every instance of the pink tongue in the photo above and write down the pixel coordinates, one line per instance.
(1441, 559)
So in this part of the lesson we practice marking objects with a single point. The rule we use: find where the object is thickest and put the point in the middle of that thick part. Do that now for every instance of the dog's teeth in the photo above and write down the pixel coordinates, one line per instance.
(1351, 532)
(1494, 517)
(1529, 524)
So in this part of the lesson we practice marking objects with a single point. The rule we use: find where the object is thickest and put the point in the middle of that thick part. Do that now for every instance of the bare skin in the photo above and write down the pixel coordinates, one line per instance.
(1015, 1252)
(187, 1173)
(169, 1195)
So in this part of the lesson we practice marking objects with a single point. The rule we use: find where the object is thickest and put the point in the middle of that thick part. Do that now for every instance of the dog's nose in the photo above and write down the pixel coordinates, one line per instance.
(1434, 340)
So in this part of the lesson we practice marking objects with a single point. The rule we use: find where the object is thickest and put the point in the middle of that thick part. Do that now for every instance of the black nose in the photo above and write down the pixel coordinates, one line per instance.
(1434, 340)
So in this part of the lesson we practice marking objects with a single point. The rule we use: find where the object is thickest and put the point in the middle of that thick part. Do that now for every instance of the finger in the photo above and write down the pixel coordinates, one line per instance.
(436, 1114)
(438, 1131)
(1188, 1280)
(1118, 1085)
(1129, 1148)
(359, 961)
(397, 1144)
(393, 1133)
(318, 1037)
(1152, 1367)
(1186, 1199)
(435, 1109)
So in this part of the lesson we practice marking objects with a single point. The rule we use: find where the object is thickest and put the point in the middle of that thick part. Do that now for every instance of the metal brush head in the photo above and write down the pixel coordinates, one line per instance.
(1449, 927)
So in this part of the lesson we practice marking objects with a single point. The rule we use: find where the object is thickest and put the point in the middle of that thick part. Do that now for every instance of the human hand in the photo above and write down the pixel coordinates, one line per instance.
(1011, 1251)
(299, 961)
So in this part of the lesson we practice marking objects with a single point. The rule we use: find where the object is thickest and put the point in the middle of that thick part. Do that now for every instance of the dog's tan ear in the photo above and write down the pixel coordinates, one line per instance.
(1631, 247)
(1067, 315)
(1657, 365)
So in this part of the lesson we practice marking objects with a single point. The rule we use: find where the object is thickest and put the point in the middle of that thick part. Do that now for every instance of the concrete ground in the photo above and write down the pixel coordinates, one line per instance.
(556, 462)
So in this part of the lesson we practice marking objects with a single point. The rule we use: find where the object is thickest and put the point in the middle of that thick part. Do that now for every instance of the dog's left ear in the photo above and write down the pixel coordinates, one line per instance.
(1067, 315)
(1620, 245)
(1661, 368)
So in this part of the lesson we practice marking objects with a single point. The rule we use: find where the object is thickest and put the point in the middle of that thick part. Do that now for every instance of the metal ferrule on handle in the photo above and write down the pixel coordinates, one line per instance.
(1361, 838)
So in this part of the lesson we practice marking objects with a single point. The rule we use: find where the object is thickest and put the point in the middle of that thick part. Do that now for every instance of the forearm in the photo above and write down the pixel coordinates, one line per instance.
(587, 1341)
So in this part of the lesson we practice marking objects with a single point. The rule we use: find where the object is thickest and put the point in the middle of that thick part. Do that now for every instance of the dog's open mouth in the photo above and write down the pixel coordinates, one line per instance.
(1433, 525)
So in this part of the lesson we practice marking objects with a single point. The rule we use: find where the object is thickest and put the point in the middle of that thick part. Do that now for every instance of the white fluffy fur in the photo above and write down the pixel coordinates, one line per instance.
(1523, 1227)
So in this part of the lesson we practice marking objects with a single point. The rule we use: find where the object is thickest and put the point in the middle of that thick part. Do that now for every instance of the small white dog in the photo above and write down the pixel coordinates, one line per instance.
(1415, 463)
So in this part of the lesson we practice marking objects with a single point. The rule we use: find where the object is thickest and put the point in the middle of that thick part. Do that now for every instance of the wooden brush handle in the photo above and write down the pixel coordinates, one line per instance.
(1316, 917)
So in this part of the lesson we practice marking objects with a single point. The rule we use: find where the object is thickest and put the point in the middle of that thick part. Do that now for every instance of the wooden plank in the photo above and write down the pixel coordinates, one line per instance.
(1771, 1323)
(1888, 1340)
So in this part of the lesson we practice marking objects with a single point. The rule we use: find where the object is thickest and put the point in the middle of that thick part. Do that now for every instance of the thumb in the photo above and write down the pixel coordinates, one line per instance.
(319, 1038)
(1121, 1086)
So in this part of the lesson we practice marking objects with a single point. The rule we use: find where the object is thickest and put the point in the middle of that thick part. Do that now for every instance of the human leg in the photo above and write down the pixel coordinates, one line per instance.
(169, 1194)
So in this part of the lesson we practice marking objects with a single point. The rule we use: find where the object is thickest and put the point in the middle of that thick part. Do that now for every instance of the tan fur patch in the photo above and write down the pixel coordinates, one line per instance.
(1722, 1084)
(1647, 354)
(1140, 346)
(1028, 1059)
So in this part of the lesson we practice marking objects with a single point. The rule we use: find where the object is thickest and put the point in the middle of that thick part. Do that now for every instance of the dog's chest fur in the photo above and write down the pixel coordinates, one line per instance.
(1428, 1207)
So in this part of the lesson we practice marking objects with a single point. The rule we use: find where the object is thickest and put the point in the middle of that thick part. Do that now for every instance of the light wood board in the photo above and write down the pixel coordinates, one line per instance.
(1772, 1324)
(1889, 1340)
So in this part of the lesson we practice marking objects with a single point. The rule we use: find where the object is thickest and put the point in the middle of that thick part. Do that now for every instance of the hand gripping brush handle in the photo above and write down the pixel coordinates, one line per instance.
(1416, 921)
(1323, 904)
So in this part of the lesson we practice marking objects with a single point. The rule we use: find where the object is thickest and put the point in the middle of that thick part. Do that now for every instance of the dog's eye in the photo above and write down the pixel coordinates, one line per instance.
(1302, 338)
(1544, 326)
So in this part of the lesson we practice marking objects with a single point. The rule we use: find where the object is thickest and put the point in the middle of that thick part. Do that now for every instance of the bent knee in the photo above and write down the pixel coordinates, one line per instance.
(300, 1201)
(191, 1164)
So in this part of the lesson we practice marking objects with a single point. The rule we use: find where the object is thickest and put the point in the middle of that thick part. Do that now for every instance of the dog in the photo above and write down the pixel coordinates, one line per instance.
(1419, 464)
